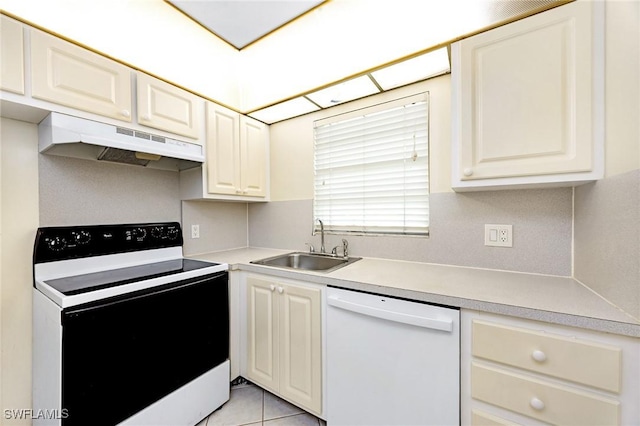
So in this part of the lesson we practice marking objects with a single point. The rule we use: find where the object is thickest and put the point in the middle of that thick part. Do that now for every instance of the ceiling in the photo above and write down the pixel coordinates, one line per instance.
(275, 60)
(242, 22)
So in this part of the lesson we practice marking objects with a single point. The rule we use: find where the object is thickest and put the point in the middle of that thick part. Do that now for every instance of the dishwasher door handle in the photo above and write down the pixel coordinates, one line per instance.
(419, 321)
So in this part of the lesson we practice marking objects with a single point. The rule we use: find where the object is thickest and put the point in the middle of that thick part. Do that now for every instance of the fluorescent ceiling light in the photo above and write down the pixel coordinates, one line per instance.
(241, 23)
(284, 110)
(344, 92)
(412, 70)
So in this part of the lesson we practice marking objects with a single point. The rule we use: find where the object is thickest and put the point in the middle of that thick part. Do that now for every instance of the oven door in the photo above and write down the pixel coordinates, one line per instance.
(122, 354)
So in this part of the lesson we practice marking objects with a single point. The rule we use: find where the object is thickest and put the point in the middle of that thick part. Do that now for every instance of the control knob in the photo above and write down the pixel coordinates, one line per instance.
(157, 232)
(139, 234)
(56, 243)
(172, 233)
(81, 237)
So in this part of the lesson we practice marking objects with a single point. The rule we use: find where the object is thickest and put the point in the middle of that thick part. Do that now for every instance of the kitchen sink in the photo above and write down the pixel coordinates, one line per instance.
(307, 261)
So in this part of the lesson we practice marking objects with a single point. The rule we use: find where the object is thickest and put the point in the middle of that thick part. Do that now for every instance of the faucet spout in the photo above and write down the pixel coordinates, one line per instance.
(322, 250)
(345, 248)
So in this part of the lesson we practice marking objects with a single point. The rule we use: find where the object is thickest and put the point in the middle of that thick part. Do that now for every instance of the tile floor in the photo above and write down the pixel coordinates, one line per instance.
(250, 405)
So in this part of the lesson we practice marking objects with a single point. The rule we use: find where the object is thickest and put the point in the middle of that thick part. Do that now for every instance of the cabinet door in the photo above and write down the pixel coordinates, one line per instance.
(166, 107)
(525, 97)
(300, 346)
(223, 150)
(262, 323)
(69, 75)
(11, 56)
(254, 137)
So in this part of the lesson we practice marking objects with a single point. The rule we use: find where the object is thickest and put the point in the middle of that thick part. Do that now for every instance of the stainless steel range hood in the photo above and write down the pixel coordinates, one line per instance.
(68, 136)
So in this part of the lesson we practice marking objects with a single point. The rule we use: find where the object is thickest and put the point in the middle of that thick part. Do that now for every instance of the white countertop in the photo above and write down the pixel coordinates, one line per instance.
(559, 300)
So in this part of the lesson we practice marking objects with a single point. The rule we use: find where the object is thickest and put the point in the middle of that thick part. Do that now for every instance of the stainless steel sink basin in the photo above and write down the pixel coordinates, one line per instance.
(307, 261)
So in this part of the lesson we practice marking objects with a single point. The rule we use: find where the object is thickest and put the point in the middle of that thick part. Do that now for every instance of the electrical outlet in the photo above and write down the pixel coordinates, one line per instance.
(195, 231)
(498, 235)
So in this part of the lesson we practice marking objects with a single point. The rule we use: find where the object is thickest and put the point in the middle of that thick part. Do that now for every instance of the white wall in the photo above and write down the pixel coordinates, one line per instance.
(622, 87)
(19, 197)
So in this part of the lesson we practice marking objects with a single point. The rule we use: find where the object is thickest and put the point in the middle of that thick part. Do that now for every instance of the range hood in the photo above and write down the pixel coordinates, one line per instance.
(65, 135)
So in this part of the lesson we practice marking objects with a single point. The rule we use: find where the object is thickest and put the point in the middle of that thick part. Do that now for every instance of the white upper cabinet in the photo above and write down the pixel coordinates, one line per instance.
(253, 169)
(528, 101)
(223, 150)
(75, 77)
(166, 107)
(236, 153)
(11, 55)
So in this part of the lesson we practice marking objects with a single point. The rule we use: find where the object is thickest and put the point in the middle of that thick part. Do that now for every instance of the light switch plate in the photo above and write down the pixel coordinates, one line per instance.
(498, 235)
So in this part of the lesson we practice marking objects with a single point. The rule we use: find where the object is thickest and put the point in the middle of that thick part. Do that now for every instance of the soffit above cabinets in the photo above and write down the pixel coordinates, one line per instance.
(243, 22)
(409, 71)
(335, 44)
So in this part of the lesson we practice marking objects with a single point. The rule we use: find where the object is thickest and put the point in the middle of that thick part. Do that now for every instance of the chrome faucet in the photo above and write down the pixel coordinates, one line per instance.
(345, 249)
(322, 250)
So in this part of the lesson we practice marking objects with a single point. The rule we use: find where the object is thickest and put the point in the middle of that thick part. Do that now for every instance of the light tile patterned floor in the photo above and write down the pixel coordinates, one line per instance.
(250, 405)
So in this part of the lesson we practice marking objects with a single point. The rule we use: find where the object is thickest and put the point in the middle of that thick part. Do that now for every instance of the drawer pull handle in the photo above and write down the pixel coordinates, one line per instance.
(468, 172)
(537, 404)
(539, 356)
(280, 290)
(272, 287)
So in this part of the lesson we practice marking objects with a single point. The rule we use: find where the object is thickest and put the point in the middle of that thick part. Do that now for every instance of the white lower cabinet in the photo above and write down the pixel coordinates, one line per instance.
(284, 339)
(517, 371)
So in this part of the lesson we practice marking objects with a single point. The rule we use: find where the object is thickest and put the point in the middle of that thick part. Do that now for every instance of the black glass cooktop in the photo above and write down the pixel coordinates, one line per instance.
(98, 280)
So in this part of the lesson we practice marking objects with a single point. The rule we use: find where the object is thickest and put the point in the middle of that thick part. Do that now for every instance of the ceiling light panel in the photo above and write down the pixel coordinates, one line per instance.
(344, 92)
(240, 23)
(412, 70)
(284, 110)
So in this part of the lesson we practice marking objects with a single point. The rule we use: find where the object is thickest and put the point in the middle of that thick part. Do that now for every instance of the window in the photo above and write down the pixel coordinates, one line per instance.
(372, 169)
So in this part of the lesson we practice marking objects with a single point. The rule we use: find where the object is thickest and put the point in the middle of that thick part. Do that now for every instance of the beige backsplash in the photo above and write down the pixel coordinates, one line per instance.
(222, 225)
(607, 239)
(541, 222)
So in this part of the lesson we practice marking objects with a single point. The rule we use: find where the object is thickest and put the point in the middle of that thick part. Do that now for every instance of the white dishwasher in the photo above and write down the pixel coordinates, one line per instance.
(391, 362)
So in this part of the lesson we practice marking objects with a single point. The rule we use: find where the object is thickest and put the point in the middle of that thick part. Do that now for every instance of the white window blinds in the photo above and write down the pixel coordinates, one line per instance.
(372, 169)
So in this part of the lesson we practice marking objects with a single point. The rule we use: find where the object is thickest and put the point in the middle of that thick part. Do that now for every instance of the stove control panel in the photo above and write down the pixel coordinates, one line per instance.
(71, 242)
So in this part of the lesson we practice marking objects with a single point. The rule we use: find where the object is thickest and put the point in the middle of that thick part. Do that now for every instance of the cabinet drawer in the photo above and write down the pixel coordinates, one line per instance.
(541, 400)
(566, 358)
(69, 75)
(479, 418)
